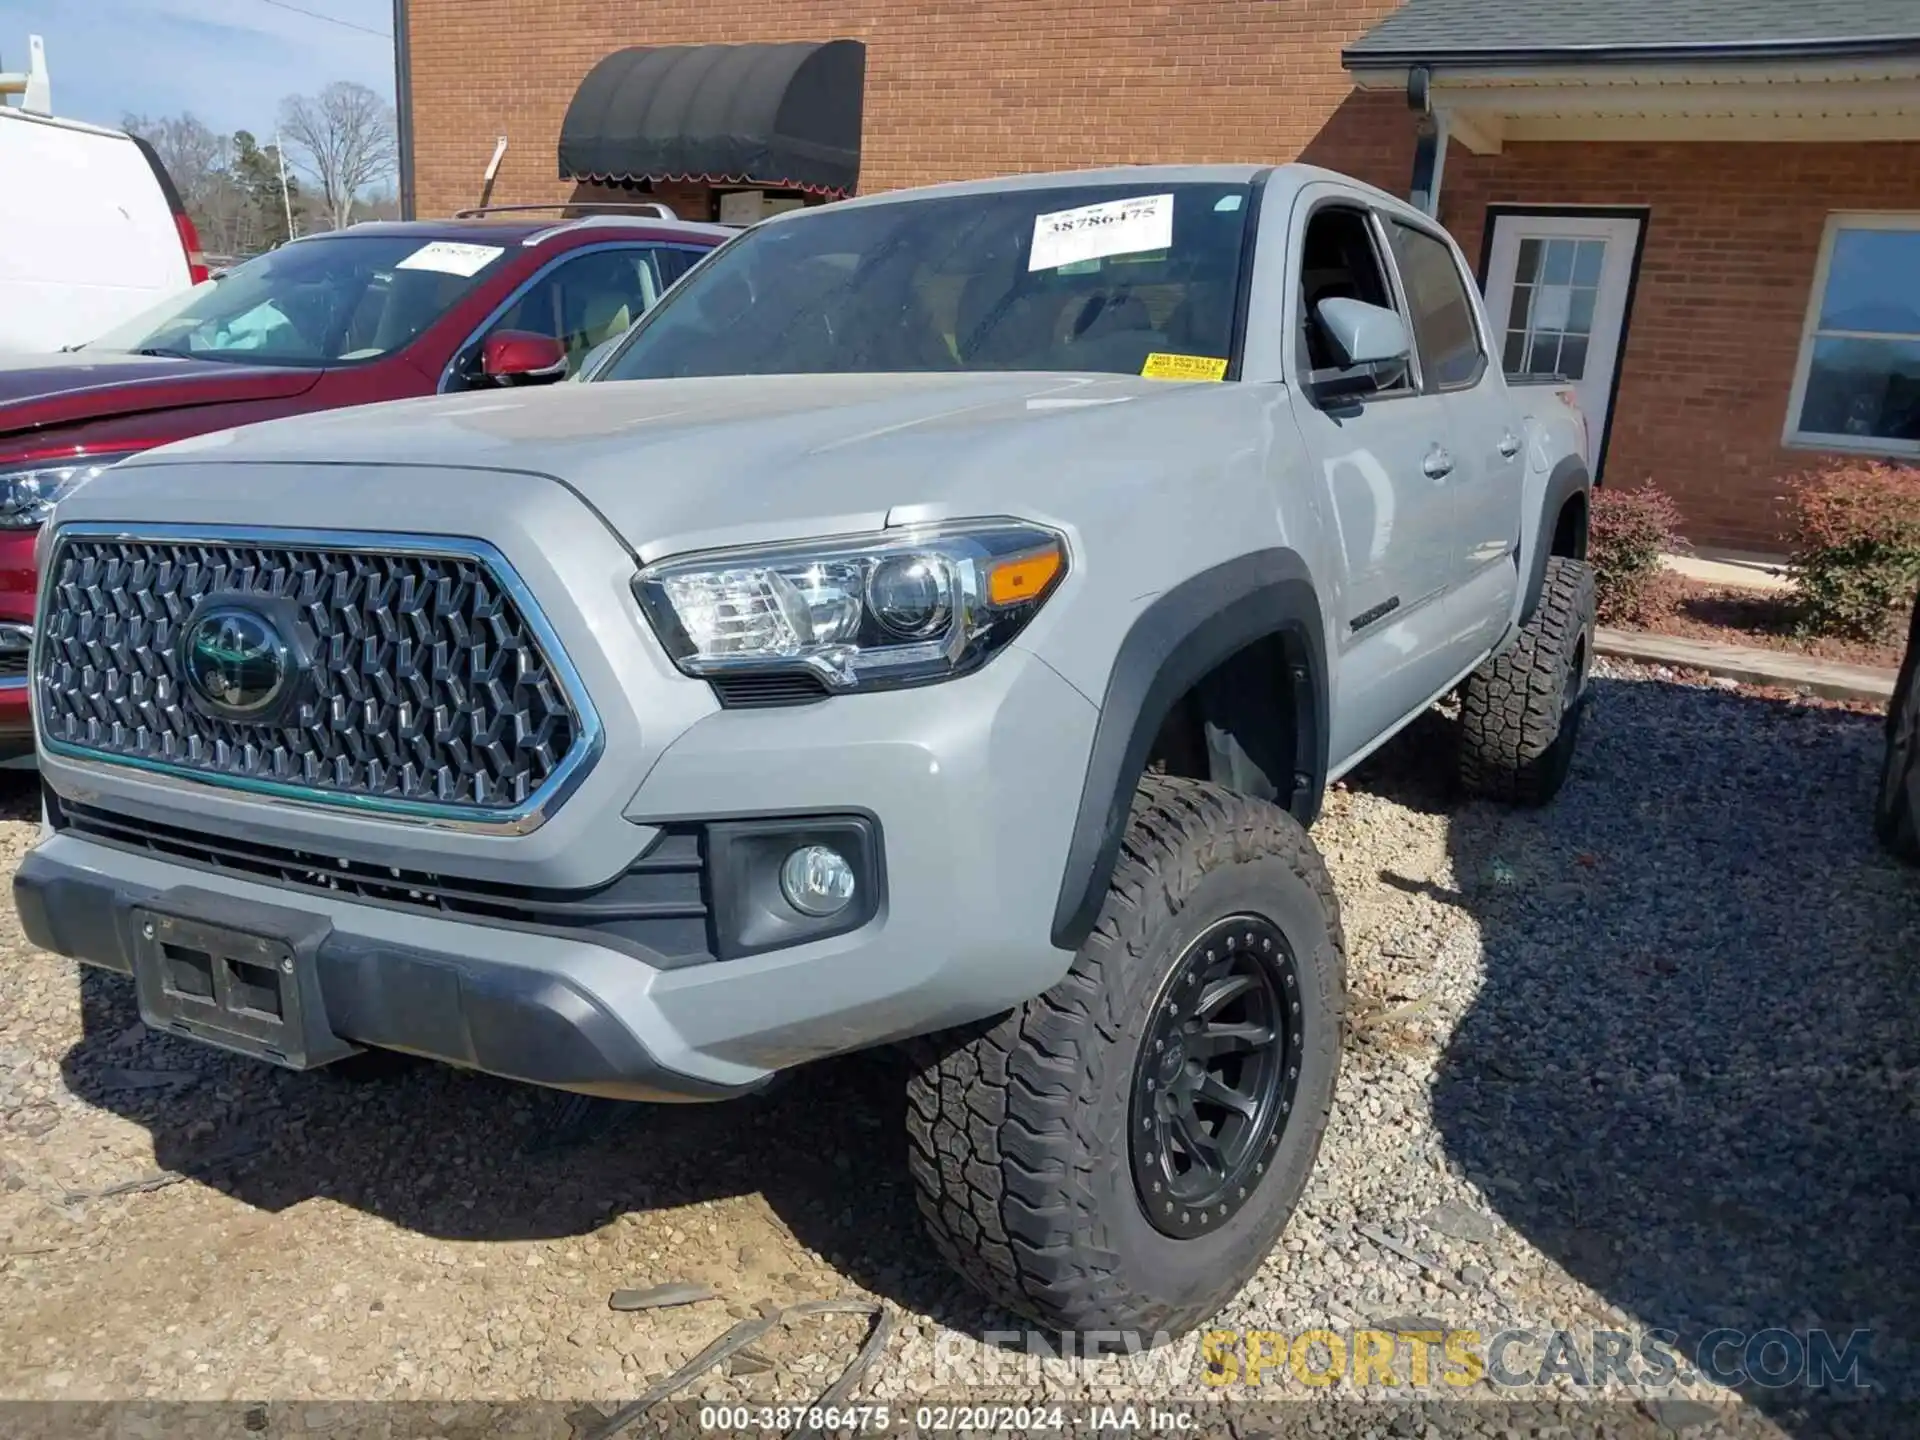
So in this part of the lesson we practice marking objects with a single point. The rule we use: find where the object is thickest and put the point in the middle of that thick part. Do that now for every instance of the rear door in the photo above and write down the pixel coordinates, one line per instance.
(1456, 365)
(1384, 460)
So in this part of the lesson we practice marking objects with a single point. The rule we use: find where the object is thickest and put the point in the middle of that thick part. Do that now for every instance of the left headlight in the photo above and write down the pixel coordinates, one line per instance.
(904, 607)
(29, 492)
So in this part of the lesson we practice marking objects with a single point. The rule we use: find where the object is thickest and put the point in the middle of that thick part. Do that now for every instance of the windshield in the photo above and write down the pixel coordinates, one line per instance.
(333, 300)
(1119, 279)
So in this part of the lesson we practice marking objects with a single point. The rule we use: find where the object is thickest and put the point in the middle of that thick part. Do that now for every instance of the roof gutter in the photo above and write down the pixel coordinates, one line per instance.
(1360, 56)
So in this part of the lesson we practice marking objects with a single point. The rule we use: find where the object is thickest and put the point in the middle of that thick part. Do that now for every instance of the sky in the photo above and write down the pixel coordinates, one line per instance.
(230, 62)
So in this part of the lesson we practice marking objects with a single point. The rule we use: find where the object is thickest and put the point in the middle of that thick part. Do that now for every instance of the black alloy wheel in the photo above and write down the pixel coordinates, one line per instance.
(1214, 1083)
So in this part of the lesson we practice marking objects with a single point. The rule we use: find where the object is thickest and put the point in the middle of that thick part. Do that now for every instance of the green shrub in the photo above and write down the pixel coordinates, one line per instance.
(1628, 531)
(1856, 547)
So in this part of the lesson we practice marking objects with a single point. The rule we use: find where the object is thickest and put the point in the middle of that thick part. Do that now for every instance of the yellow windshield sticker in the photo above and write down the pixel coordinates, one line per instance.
(1183, 367)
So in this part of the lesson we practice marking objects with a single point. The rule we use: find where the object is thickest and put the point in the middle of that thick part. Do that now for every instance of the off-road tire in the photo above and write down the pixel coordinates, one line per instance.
(1520, 712)
(1893, 814)
(1019, 1127)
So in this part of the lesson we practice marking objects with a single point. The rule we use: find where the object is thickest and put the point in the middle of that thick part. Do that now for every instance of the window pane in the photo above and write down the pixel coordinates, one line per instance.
(1521, 307)
(1529, 265)
(1580, 311)
(1559, 269)
(1869, 389)
(1573, 357)
(1515, 354)
(1873, 282)
(672, 264)
(1587, 260)
(1443, 327)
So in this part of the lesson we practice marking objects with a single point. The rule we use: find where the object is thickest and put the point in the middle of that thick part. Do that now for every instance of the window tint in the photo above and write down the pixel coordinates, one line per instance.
(1105, 278)
(1443, 328)
(672, 264)
(1861, 362)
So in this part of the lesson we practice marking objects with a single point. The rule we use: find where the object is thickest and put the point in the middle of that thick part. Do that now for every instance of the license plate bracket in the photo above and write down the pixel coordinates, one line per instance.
(236, 975)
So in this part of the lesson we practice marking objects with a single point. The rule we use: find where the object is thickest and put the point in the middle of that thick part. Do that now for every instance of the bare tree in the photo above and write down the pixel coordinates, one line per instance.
(343, 138)
(193, 154)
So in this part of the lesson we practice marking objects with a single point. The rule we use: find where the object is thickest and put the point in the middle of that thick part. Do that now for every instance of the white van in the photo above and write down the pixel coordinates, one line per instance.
(92, 231)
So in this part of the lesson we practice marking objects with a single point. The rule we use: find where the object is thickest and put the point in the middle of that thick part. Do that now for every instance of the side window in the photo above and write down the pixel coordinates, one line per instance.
(582, 302)
(672, 264)
(1338, 260)
(1443, 330)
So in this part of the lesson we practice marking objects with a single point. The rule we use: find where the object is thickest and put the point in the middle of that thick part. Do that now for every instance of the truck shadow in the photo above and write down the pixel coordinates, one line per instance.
(470, 1158)
(1689, 1075)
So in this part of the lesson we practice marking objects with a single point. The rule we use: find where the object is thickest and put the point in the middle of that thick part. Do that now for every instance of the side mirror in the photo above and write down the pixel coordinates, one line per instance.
(1364, 334)
(1370, 341)
(521, 357)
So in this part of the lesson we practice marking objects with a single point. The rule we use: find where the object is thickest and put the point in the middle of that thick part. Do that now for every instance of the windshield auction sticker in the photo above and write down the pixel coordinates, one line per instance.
(450, 257)
(1183, 367)
(1116, 227)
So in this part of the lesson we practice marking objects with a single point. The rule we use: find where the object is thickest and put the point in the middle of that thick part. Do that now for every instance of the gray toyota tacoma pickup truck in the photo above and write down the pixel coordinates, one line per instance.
(937, 622)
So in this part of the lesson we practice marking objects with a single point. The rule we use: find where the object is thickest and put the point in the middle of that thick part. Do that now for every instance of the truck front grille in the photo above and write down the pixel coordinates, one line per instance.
(430, 684)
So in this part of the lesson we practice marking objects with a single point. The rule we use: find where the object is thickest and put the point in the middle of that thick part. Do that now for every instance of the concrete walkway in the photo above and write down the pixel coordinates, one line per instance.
(1732, 569)
(1751, 665)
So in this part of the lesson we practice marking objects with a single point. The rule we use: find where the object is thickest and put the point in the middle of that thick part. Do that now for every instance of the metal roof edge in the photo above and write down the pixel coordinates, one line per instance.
(1357, 57)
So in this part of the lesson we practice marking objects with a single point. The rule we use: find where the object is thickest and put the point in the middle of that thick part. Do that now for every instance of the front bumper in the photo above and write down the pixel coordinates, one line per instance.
(466, 1007)
(971, 788)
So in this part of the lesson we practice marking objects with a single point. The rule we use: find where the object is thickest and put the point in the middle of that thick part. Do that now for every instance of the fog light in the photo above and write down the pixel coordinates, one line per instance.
(817, 880)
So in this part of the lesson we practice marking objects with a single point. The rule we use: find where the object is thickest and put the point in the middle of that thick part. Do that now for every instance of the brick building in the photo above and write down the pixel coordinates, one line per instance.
(1706, 213)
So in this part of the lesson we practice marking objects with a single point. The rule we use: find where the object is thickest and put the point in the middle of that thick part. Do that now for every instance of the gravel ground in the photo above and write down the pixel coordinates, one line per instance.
(1645, 1059)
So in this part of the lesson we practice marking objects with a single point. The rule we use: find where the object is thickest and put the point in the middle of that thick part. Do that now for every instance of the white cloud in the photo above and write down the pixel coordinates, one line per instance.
(228, 61)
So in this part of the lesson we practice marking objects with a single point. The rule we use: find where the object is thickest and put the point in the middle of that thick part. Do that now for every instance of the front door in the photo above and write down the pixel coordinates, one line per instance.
(1557, 288)
(1384, 457)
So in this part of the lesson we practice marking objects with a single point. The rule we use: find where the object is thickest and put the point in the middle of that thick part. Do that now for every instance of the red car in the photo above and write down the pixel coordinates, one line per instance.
(376, 312)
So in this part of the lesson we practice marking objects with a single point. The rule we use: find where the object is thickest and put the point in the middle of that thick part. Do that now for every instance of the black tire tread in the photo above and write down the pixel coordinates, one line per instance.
(1001, 1145)
(1510, 708)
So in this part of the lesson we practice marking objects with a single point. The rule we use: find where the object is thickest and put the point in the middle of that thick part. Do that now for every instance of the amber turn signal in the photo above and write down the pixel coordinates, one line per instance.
(1023, 577)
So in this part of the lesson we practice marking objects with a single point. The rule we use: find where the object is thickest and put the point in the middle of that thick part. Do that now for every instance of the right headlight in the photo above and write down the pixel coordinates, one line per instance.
(904, 607)
(30, 490)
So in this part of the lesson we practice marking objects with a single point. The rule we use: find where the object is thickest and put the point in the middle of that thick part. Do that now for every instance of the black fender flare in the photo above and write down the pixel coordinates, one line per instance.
(1569, 478)
(1175, 641)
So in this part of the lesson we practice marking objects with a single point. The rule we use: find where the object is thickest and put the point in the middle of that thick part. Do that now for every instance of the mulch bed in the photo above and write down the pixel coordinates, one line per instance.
(1763, 619)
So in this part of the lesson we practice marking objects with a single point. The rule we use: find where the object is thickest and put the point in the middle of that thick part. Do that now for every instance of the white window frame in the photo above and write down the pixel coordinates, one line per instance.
(1793, 437)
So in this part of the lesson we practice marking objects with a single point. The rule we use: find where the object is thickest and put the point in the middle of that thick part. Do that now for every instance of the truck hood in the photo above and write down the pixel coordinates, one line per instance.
(674, 465)
(38, 391)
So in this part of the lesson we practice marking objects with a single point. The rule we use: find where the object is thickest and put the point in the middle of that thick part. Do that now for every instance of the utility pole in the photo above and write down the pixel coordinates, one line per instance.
(286, 197)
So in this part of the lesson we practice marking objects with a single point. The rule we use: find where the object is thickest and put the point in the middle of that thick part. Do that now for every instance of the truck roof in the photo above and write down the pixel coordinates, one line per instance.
(1287, 177)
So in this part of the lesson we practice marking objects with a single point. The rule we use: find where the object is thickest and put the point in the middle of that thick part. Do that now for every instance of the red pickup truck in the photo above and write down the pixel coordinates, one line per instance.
(376, 312)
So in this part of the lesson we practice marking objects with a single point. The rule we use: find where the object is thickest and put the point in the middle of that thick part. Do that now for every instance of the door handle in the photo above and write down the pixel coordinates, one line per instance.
(1438, 464)
(1509, 445)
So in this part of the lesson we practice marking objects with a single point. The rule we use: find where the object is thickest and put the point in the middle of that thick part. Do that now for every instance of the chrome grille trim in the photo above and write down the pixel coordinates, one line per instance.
(528, 815)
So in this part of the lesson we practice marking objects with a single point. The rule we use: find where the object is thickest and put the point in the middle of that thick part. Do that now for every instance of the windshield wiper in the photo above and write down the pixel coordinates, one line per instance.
(162, 352)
